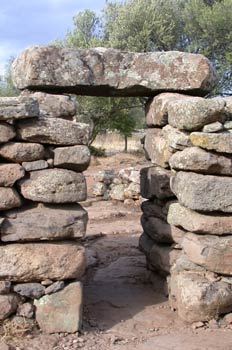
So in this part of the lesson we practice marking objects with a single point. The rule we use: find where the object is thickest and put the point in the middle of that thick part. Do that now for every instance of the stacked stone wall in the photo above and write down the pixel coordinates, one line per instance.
(42, 156)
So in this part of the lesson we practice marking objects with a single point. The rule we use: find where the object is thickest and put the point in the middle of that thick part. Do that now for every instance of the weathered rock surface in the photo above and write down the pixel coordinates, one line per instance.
(190, 220)
(7, 132)
(228, 101)
(221, 142)
(213, 127)
(99, 189)
(177, 140)
(19, 152)
(10, 173)
(8, 305)
(200, 299)
(203, 192)
(109, 72)
(36, 165)
(54, 186)
(18, 108)
(53, 131)
(5, 287)
(155, 183)
(29, 290)
(9, 198)
(74, 158)
(156, 148)
(54, 287)
(154, 208)
(157, 108)
(194, 112)
(211, 252)
(54, 106)
(132, 191)
(160, 231)
(117, 192)
(32, 262)
(200, 161)
(26, 310)
(62, 311)
(48, 222)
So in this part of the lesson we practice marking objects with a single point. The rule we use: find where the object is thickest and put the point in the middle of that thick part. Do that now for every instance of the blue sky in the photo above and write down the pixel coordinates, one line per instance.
(30, 22)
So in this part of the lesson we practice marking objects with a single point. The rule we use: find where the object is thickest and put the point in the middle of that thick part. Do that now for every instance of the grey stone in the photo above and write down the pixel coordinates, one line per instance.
(193, 221)
(176, 140)
(29, 290)
(220, 142)
(74, 158)
(117, 192)
(106, 176)
(34, 262)
(109, 72)
(36, 165)
(5, 287)
(62, 311)
(195, 112)
(156, 148)
(228, 124)
(7, 132)
(18, 108)
(9, 198)
(213, 127)
(132, 191)
(54, 186)
(10, 173)
(8, 305)
(200, 161)
(53, 131)
(155, 183)
(154, 208)
(203, 192)
(54, 287)
(26, 310)
(19, 152)
(99, 189)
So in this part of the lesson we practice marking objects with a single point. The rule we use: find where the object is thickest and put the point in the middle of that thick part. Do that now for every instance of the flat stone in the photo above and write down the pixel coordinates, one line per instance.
(54, 106)
(30, 290)
(36, 165)
(110, 72)
(160, 231)
(200, 299)
(62, 311)
(74, 158)
(10, 173)
(18, 108)
(48, 222)
(54, 131)
(156, 148)
(5, 287)
(7, 132)
(203, 192)
(193, 221)
(156, 109)
(34, 262)
(194, 112)
(155, 183)
(54, 287)
(176, 140)
(211, 252)
(220, 142)
(8, 305)
(26, 310)
(213, 127)
(200, 161)
(9, 198)
(54, 186)
(19, 152)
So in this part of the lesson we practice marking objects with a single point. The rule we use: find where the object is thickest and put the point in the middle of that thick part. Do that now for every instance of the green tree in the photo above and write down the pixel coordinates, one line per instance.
(6, 85)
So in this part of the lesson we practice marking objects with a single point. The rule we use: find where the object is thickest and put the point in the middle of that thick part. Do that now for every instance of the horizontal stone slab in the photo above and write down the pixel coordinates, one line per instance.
(9, 198)
(7, 132)
(193, 221)
(110, 72)
(74, 158)
(156, 147)
(54, 186)
(19, 152)
(36, 165)
(194, 112)
(176, 140)
(211, 252)
(155, 183)
(10, 173)
(54, 131)
(203, 192)
(200, 161)
(31, 262)
(221, 142)
(14, 108)
(44, 222)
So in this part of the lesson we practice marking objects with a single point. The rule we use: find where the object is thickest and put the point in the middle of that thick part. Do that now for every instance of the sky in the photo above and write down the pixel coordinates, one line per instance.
(36, 22)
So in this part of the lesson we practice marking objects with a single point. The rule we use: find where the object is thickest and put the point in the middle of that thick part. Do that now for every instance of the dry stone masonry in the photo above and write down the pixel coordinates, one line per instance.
(187, 215)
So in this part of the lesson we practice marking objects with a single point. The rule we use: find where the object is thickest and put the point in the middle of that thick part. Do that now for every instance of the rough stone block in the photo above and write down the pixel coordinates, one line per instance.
(9, 198)
(74, 158)
(7, 132)
(36, 165)
(154, 208)
(156, 148)
(176, 140)
(29, 290)
(8, 305)
(220, 142)
(18, 108)
(10, 173)
(19, 152)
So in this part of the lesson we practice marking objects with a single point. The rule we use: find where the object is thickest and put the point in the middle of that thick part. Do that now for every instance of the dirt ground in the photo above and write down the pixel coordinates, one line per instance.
(121, 309)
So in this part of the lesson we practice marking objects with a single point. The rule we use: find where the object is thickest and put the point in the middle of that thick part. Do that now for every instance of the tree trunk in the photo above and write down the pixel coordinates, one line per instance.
(126, 145)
